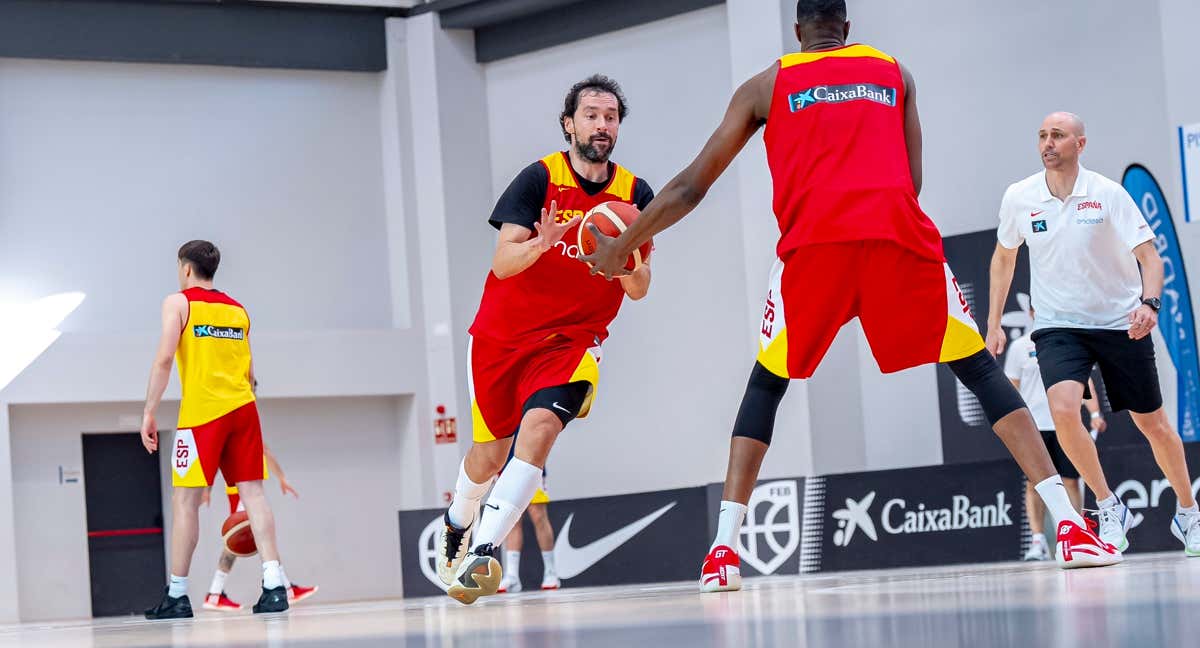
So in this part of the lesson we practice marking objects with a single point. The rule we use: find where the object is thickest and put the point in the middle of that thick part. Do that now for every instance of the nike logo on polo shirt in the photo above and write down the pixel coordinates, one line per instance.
(573, 561)
(1035, 214)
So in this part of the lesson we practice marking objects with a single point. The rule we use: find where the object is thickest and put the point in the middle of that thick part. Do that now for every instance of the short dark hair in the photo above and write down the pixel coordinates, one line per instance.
(820, 12)
(594, 83)
(204, 257)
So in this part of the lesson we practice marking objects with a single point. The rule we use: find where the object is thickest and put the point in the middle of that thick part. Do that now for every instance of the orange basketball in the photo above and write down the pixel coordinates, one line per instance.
(239, 540)
(611, 218)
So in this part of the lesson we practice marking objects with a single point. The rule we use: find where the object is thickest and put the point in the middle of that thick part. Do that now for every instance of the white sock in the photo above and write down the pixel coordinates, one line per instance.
(467, 494)
(283, 576)
(1057, 501)
(507, 502)
(1108, 502)
(548, 565)
(1179, 510)
(272, 574)
(512, 563)
(218, 582)
(177, 586)
(729, 522)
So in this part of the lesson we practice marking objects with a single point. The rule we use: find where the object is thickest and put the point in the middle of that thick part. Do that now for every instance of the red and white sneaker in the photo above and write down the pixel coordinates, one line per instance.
(1080, 547)
(221, 603)
(297, 593)
(722, 571)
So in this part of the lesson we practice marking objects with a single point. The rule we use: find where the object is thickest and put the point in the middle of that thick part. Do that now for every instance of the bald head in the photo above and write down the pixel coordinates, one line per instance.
(1061, 140)
(1067, 121)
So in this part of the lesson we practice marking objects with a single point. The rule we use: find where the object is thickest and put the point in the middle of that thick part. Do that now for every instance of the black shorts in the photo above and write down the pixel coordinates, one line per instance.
(1127, 366)
(1062, 464)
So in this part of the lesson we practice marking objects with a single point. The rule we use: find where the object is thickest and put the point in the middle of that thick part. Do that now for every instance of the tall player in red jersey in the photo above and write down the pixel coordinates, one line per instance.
(535, 344)
(843, 143)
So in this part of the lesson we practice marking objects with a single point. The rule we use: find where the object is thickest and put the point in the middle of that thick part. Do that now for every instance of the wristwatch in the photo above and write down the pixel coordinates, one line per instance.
(1153, 302)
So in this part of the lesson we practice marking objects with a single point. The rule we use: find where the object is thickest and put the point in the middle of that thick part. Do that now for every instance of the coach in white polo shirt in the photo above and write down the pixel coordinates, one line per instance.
(1086, 238)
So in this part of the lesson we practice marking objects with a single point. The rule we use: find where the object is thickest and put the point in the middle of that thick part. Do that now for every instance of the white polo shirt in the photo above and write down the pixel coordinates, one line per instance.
(1020, 363)
(1084, 274)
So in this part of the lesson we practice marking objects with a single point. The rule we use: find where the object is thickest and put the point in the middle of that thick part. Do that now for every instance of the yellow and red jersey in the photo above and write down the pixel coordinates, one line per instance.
(557, 295)
(838, 156)
(213, 358)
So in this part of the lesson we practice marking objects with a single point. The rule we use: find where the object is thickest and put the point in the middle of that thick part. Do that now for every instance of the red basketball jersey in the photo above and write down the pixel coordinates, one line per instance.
(836, 148)
(557, 294)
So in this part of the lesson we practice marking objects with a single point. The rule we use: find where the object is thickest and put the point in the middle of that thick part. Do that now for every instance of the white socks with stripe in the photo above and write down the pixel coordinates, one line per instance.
(729, 523)
(1057, 501)
(464, 508)
(508, 500)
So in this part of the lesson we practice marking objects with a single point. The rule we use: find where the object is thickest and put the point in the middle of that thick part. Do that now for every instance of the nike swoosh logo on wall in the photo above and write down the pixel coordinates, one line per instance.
(573, 561)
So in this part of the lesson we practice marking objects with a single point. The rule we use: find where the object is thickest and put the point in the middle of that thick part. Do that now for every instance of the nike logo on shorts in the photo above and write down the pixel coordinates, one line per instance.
(560, 408)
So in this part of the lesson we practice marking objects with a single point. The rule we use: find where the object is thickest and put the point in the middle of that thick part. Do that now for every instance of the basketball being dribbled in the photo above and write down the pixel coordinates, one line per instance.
(239, 540)
(611, 218)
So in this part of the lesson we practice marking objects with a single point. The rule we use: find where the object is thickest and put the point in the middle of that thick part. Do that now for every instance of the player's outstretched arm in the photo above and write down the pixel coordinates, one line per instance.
(174, 317)
(746, 113)
(1004, 264)
(518, 248)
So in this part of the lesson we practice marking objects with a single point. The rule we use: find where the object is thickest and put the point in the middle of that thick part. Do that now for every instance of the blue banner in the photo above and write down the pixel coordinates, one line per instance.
(1176, 321)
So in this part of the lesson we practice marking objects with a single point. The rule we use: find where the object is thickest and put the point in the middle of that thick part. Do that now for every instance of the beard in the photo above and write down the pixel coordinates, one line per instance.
(591, 152)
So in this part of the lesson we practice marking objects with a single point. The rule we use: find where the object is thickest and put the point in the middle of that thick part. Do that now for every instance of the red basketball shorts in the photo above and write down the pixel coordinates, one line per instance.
(502, 376)
(910, 307)
(231, 443)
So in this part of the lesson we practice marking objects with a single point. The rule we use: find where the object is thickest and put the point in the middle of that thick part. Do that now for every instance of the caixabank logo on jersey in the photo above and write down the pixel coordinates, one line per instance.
(933, 515)
(219, 332)
(1135, 478)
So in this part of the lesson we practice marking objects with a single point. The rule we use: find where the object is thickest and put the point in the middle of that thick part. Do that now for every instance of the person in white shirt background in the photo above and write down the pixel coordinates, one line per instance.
(1086, 240)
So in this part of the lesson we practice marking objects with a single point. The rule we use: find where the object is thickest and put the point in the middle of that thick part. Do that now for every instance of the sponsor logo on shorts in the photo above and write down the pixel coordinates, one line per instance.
(771, 532)
(1039, 226)
(184, 452)
(219, 332)
(836, 94)
(898, 518)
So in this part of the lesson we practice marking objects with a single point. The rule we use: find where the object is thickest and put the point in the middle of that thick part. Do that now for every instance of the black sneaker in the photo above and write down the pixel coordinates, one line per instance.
(171, 608)
(479, 575)
(272, 600)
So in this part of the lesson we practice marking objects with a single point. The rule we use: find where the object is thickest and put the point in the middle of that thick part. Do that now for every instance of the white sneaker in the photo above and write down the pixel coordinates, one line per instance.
(1115, 520)
(550, 581)
(510, 583)
(452, 546)
(478, 575)
(1186, 527)
(1038, 550)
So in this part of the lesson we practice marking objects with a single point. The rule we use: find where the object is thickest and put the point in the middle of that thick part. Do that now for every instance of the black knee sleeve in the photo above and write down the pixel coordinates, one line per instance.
(756, 416)
(983, 376)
